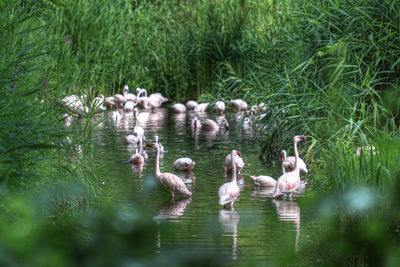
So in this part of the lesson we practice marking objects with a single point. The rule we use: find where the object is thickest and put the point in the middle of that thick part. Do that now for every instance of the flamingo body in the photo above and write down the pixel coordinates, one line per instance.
(201, 107)
(184, 164)
(239, 104)
(191, 104)
(288, 163)
(229, 192)
(263, 180)
(179, 108)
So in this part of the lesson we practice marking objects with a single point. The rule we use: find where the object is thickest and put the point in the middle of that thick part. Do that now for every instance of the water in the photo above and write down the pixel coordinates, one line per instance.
(256, 230)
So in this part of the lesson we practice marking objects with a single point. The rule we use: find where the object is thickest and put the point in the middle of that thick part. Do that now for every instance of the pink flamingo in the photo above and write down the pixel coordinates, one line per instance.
(288, 163)
(136, 159)
(237, 159)
(184, 164)
(263, 180)
(196, 124)
(229, 192)
(288, 182)
(172, 183)
(219, 107)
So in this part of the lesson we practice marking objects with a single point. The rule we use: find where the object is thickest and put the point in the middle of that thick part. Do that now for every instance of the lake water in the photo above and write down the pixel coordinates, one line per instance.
(258, 229)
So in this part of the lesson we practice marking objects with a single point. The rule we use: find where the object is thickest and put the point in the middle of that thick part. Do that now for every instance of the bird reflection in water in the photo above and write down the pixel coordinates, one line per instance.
(186, 176)
(229, 220)
(171, 212)
(289, 211)
(179, 122)
(263, 191)
(138, 167)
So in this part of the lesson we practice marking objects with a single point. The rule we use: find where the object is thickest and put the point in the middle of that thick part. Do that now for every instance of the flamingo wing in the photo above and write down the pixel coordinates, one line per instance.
(228, 193)
(173, 183)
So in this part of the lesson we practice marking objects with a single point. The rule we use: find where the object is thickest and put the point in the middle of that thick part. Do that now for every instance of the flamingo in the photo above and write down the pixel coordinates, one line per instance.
(219, 107)
(75, 104)
(211, 125)
(239, 104)
(136, 158)
(131, 139)
(172, 183)
(263, 180)
(288, 182)
(201, 107)
(97, 103)
(191, 104)
(141, 117)
(184, 164)
(196, 124)
(158, 97)
(109, 102)
(229, 192)
(179, 108)
(129, 96)
(129, 105)
(288, 163)
(239, 163)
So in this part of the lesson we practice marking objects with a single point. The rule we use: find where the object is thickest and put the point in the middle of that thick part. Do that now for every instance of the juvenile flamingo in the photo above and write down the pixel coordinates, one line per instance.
(263, 180)
(288, 163)
(229, 192)
(184, 164)
(288, 182)
(172, 183)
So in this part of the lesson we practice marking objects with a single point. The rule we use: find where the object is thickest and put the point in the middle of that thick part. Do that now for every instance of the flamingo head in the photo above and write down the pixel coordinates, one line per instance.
(153, 145)
(298, 138)
(283, 154)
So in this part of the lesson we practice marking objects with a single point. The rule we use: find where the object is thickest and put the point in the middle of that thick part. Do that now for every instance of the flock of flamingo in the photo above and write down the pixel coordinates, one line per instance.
(228, 193)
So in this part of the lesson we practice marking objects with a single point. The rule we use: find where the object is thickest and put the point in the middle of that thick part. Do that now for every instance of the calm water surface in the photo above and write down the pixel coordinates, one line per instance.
(257, 228)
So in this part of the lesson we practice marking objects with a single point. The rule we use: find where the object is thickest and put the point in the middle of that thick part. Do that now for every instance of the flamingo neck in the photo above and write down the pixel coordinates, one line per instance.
(233, 168)
(296, 157)
(157, 167)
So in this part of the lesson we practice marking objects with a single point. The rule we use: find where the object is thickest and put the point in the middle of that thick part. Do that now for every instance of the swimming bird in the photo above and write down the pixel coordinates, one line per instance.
(136, 158)
(263, 180)
(172, 183)
(184, 164)
(229, 192)
(179, 108)
(219, 107)
(131, 139)
(288, 163)
(191, 104)
(239, 104)
(201, 107)
(196, 124)
(288, 182)
(210, 125)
